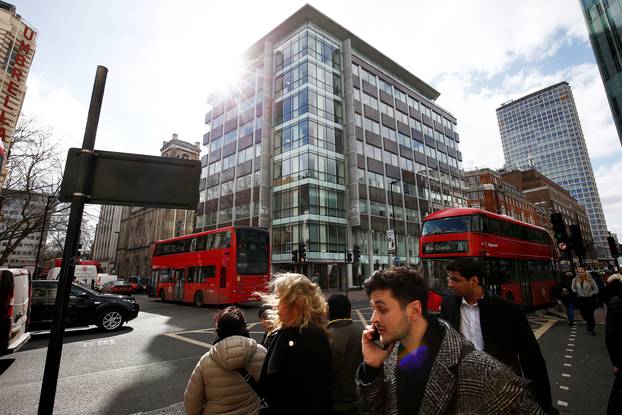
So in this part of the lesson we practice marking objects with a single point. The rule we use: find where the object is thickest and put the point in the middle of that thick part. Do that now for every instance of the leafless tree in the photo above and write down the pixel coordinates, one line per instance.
(32, 185)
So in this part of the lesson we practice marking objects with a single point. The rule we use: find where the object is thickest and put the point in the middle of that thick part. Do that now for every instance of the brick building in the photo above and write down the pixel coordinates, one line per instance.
(486, 189)
(550, 197)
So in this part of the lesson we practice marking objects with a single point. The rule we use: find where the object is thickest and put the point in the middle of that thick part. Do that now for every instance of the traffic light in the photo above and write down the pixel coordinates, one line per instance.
(576, 240)
(613, 246)
(356, 253)
(302, 251)
(348, 256)
(295, 256)
(559, 227)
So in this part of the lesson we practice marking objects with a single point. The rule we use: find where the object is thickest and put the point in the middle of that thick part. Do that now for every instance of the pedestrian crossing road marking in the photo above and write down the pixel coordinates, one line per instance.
(179, 335)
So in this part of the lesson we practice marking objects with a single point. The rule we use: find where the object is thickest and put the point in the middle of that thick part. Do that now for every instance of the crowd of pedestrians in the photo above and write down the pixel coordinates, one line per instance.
(479, 356)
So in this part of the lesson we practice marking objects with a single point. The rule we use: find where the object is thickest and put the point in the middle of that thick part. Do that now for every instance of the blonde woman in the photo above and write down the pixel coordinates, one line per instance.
(296, 375)
(586, 290)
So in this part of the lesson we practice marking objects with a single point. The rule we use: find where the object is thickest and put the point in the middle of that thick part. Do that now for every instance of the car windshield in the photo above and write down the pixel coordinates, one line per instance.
(447, 225)
(86, 288)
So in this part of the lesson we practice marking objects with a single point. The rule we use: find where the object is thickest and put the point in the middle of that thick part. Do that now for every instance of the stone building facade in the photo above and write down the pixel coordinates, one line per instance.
(141, 227)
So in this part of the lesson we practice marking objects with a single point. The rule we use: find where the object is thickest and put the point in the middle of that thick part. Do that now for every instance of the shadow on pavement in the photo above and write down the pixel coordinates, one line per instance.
(5, 364)
(40, 339)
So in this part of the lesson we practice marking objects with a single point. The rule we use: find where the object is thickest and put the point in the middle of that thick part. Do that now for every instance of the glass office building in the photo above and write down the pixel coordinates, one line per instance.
(604, 22)
(542, 131)
(320, 141)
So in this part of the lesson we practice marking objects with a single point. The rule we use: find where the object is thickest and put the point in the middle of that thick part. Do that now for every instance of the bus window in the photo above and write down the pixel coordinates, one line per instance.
(252, 251)
(447, 225)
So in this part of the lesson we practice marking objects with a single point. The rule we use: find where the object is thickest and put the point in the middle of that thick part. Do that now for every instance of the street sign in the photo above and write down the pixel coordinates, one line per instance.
(135, 180)
(391, 240)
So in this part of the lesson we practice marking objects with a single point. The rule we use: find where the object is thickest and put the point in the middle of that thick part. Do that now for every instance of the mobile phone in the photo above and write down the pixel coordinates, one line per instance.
(375, 335)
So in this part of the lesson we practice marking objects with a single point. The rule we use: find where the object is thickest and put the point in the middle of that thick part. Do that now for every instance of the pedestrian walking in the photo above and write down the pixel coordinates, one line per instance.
(614, 283)
(423, 365)
(586, 290)
(296, 375)
(567, 296)
(266, 323)
(495, 325)
(216, 385)
(345, 345)
(613, 339)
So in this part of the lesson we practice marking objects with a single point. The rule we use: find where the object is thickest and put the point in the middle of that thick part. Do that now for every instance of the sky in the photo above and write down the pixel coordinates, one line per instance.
(164, 58)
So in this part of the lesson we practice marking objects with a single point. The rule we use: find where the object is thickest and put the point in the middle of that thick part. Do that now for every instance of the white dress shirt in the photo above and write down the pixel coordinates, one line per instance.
(470, 326)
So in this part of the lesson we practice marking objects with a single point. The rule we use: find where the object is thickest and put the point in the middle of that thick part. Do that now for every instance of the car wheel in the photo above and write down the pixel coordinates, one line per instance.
(110, 320)
(162, 296)
(198, 299)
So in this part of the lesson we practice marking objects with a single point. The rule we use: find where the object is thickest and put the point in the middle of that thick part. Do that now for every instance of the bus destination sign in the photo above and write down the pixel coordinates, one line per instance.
(446, 247)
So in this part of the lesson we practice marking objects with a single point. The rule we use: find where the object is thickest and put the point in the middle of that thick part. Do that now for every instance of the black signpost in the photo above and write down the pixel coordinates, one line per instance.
(104, 177)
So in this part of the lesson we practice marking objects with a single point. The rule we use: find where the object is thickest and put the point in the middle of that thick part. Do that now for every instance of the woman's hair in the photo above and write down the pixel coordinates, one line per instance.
(230, 321)
(299, 293)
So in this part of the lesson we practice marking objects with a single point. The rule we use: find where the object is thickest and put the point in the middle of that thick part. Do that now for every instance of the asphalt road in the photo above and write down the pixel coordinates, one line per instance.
(144, 367)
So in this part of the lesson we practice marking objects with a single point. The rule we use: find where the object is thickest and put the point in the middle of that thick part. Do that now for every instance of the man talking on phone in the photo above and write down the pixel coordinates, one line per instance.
(422, 365)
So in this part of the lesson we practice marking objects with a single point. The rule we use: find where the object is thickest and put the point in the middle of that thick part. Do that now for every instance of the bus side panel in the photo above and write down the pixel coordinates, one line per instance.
(512, 291)
(541, 292)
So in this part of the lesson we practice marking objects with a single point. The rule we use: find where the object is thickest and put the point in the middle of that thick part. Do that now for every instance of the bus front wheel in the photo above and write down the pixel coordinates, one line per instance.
(198, 299)
(162, 296)
(509, 296)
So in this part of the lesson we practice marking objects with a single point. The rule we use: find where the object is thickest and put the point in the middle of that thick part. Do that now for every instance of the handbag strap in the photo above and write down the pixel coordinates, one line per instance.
(250, 380)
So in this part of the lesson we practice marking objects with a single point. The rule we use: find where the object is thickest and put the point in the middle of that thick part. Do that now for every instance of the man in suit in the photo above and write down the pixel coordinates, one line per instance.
(495, 325)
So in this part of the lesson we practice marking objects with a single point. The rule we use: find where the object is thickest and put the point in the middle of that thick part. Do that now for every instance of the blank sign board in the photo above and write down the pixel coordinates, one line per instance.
(135, 180)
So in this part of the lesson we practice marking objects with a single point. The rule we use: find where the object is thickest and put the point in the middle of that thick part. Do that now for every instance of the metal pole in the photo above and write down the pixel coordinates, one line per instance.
(45, 215)
(55, 346)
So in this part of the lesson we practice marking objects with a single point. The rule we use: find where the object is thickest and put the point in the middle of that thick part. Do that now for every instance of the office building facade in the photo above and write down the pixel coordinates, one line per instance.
(542, 131)
(107, 236)
(321, 140)
(604, 23)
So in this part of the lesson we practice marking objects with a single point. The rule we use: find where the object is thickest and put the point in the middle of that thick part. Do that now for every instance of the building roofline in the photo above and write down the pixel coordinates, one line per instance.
(308, 13)
(515, 101)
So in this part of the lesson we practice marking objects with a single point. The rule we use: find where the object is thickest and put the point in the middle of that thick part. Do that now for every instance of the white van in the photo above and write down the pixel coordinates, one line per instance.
(85, 274)
(14, 309)
(104, 279)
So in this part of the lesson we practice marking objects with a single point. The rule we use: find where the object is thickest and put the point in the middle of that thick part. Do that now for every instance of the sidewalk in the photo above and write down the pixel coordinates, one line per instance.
(600, 314)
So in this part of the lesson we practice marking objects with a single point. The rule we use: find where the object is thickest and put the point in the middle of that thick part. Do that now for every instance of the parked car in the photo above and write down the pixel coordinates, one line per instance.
(117, 287)
(14, 309)
(86, 307)
(139, 284)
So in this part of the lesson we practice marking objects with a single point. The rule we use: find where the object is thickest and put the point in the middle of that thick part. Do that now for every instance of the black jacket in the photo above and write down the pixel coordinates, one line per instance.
(613, 335)
(296, 375)
(345, 344)
(507, 337)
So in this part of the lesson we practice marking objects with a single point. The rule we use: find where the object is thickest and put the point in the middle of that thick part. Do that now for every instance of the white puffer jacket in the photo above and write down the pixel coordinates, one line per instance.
(216, 387)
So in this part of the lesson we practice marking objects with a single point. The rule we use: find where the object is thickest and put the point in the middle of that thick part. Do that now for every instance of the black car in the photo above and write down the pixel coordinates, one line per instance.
(86, 307)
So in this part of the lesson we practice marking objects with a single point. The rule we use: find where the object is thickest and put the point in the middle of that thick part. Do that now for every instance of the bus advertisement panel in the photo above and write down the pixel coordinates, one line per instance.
(518, 260)
(221, 266)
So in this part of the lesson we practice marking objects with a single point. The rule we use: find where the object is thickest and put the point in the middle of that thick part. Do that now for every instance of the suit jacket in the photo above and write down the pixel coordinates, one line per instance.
(507, 337)
(459, 383)
(296, 375)
(345, 344)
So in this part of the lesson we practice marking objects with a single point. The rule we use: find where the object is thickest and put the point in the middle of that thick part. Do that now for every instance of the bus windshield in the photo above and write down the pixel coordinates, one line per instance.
(447, 225)
(252, 251)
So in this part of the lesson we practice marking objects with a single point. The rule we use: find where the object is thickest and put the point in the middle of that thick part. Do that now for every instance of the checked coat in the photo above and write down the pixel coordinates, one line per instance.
(469, 382)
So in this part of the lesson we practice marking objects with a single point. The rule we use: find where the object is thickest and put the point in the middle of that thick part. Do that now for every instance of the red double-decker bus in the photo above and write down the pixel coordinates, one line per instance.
(519, 260)
(222, 266)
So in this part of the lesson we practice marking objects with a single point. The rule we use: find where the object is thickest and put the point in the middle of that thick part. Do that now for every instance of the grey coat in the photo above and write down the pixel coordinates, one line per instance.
(475, 384)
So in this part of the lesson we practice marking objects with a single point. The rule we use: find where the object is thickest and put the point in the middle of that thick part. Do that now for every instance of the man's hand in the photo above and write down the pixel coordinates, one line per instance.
(373, 355)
